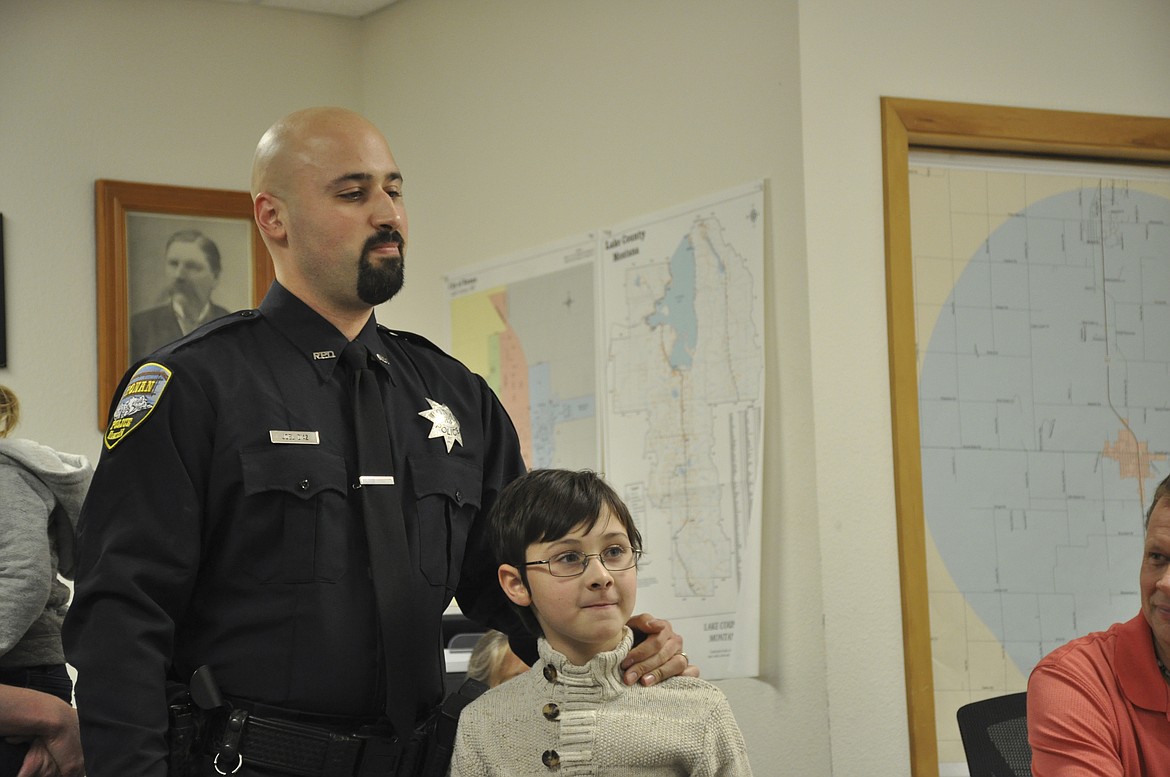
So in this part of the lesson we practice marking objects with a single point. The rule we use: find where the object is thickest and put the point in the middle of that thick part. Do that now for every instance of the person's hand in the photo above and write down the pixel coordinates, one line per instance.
(659, 656)
(64, 745)
(58, 752)
(38, 762)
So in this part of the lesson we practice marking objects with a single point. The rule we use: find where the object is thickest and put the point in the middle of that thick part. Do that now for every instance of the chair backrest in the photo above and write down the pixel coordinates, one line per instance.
(995, 736)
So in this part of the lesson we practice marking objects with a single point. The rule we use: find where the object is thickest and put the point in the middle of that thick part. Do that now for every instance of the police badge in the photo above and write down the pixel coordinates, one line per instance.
(444, 423)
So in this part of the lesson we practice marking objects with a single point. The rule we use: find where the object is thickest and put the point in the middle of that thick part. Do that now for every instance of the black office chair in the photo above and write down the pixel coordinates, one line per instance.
(995, 736)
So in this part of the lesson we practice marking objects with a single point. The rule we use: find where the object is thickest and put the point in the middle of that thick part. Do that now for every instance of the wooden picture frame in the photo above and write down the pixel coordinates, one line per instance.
(135, 224)
(921, 124)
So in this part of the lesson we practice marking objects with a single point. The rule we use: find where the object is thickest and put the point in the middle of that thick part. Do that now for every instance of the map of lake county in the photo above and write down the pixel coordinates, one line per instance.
(683, 300)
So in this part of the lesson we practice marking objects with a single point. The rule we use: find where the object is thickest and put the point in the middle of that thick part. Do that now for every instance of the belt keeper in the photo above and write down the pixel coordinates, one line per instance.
(381, 751)
(230, 749)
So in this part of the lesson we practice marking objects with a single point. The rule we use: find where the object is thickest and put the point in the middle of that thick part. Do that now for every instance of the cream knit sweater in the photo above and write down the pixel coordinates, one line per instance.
(564, 720)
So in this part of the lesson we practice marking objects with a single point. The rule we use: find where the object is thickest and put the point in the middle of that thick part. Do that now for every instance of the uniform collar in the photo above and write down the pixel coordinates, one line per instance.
(315, 338)
(370, 338)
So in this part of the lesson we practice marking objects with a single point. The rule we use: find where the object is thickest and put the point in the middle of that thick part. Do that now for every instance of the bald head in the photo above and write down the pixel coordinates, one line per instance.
(327, 198)
(297, 140)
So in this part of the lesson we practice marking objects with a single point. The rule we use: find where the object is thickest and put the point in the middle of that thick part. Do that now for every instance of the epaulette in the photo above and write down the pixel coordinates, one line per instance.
(197, 334)
(412, 338)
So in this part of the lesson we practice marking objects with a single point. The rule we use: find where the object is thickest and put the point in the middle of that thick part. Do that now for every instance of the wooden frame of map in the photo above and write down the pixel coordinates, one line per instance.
(134, 224)
(920, 124)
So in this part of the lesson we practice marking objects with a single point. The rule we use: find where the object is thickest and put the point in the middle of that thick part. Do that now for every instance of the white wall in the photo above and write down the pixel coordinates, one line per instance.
(522, 121)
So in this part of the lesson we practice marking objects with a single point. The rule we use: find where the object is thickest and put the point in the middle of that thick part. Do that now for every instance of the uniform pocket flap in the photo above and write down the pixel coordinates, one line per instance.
(459, 480)
(298, 470)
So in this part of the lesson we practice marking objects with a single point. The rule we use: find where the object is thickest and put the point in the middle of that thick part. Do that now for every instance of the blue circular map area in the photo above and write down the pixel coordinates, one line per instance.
(1045, 415)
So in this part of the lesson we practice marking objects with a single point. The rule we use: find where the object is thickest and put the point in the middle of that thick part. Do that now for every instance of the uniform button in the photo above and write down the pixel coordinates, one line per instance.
(551, 711)
(550, 673)
(247, 313)
(303, 485)
(458, 497)
(551, 759)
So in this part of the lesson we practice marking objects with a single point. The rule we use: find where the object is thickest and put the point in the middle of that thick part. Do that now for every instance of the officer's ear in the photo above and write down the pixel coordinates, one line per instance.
(513, 585)
(269, 211)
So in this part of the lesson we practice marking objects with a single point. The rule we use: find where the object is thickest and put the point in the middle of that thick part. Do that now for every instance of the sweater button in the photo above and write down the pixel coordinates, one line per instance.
(551, 759)
(551, 711)
(550, 673)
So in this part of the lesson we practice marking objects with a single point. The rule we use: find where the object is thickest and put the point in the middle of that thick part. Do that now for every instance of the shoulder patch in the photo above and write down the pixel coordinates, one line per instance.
(141, 394)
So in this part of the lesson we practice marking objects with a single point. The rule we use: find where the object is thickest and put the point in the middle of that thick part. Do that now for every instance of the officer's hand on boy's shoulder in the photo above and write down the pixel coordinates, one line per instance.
(658, 656)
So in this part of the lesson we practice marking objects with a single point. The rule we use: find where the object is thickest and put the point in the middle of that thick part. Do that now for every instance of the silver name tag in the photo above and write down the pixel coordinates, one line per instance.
(294, 438)
(376, 480)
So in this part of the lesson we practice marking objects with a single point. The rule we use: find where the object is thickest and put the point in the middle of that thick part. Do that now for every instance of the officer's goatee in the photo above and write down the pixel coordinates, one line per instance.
(378, 283)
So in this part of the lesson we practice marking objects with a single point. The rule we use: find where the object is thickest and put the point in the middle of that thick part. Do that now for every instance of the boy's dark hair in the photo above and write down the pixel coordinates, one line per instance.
(546, 504)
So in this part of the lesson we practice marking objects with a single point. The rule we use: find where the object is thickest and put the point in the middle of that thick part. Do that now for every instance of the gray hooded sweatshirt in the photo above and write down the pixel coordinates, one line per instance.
(41, 492)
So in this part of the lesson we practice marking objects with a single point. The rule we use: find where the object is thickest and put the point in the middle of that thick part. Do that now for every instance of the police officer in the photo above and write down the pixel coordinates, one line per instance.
(223, 527)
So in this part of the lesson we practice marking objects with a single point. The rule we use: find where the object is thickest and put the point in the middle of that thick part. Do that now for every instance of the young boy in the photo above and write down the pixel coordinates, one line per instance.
(571, 551)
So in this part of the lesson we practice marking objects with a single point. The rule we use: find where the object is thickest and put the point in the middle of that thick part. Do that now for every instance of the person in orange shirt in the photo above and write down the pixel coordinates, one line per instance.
(1100, 705)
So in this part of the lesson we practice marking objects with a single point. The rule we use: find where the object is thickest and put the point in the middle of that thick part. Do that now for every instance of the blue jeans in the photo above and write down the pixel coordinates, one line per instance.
(52, 679)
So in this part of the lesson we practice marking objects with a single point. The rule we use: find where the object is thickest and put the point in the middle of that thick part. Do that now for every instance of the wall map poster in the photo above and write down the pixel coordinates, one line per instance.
(683, 339)
(1042, 294)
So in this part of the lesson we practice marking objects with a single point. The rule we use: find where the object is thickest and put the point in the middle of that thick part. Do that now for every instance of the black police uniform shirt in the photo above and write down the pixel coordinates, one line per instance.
(221, 527)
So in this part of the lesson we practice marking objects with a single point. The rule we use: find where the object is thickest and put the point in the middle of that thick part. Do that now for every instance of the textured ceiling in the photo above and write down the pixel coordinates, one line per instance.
(352, 8)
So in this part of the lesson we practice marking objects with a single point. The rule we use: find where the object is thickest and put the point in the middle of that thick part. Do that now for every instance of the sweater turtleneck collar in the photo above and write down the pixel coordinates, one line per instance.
(603, 671)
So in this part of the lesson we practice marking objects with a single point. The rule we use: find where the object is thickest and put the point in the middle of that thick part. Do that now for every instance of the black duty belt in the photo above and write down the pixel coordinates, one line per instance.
(302, 749)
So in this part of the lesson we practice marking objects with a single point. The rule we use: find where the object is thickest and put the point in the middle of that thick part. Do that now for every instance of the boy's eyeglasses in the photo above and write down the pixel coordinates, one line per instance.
(573, 562)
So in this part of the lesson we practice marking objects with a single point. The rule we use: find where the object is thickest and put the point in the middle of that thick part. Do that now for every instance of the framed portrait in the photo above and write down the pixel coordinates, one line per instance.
(169, 259)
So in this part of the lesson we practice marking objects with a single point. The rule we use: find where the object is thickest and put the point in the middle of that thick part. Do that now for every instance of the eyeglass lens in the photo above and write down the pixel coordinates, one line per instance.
(613, 559)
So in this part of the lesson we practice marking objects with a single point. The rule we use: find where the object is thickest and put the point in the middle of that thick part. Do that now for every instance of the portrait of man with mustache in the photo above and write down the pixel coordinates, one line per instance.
(193, 268)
